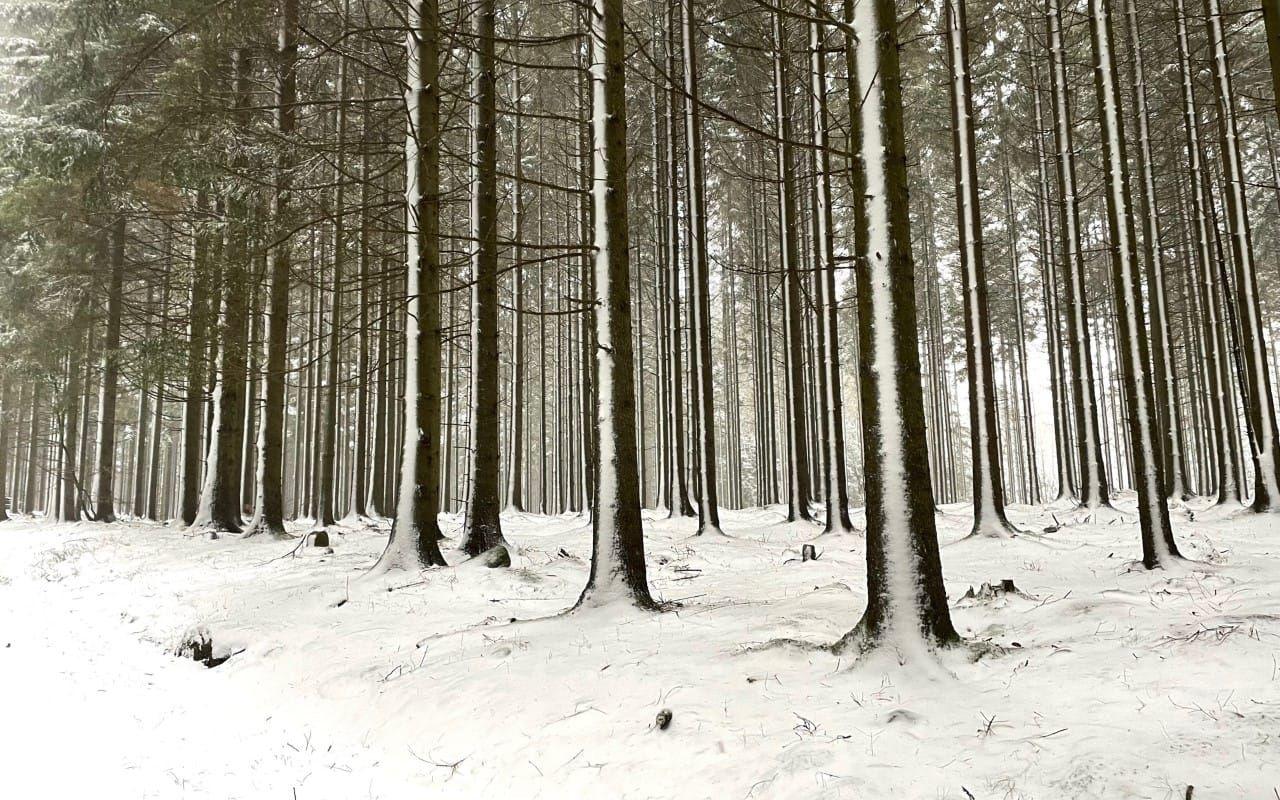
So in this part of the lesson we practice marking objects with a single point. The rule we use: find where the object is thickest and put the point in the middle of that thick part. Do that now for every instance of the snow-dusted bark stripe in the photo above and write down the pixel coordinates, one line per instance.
(1131, 338)
(1259, 399)
(837, 499)
(1206, 286)
(988, 490)
(1093, 482)
(617, 560)
(700, 302)
(1161, 347)
(906, 606)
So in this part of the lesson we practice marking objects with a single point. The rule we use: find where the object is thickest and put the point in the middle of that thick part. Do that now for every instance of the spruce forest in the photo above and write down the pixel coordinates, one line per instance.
(640, 399)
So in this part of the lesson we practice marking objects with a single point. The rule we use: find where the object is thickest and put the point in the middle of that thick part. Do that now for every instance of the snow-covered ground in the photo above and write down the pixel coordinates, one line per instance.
(1109, 681)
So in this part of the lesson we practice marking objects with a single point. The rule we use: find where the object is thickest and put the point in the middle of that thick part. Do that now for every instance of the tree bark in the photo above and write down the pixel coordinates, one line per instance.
(835, 478)
(104, 491)
(798, 488)
(906, 600)
(617, 556)
(220, 496)
(1158, 547)
(700, 301)
(483, 528)
(415, 529)
(1153, 260)
(1094, 489)
(1257, 392)
(988, 481)
(268, 514)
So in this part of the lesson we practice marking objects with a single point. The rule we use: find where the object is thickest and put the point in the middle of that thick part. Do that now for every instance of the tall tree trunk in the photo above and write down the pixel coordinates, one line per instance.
(1271, 25)
(10, 418)
(141, 448)
(1143, 414)
(1202, 261)
(906, 599)
(378, 477)
(328, 489)
(268, 513)
(1094, 490)
(193, 401)
(1052, 316)
(104, 491)
(69, 482)
(154, 507)
(835, 479)
(359, 489)
(220, 496)
(35, 438)
(1153, 260)
(415, 530)
(617, 556)
(1025, 417)
(483, 528)
(1258, 396)
(515, 461)
(680, 505)
(988, 482)
(798, 489)
(700, 279)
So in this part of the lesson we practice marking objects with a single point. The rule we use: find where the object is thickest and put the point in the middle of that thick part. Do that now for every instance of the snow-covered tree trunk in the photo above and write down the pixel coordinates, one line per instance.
(1202, 264)
(988, 481)
(219, 509)
(584, 483)
(104, 489)
(381, 403)
(155, 508)
(147, 501)
(1030, 460)
(194, 399)
(10, 418)
(700, 302)
(327, 489)
(1271, 25)
(835, 478)
(1094, 490)
(1258, 395)
(680, 505)
(31, 481)
(359, 490)
(67, 489)
(515, 462)
(1153, 261)
(798, 488)
(483, 529)
(617, 557)
(906, 599)
(141, 449)
(268, 513)
(1136, 378)
(416, 529)
(661, 218)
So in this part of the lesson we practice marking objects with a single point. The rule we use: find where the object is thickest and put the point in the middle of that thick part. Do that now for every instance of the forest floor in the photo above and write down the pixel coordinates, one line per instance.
(1109, 681)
